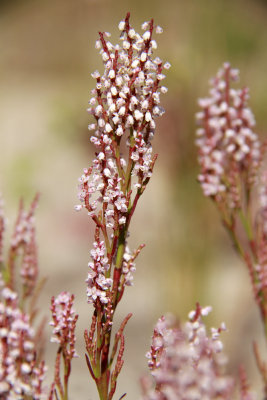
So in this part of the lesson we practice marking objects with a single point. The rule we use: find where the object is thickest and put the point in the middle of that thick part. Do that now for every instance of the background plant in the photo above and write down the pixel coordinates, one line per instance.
(233, 176)
(22, 368)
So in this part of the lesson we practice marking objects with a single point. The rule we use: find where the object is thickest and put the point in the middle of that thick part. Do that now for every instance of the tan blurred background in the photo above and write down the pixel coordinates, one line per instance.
(46, 56)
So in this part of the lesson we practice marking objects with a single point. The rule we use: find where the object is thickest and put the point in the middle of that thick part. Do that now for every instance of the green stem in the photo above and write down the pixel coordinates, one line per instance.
(65, 397)
(118, 265)
(130, 165)
(9, 273)
(246, 224)
(118, 163)
(102, 386)
(120, 251)
(234, 238)
(66, 377)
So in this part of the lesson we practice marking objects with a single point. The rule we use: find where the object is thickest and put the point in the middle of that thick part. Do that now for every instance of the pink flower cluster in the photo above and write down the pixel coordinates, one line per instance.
(186, 362)
(125, 103)
(64, 322)
(20, 374)
(23, 242)
(127, 97)
(258, 264)
(97, 283)
(226, 140)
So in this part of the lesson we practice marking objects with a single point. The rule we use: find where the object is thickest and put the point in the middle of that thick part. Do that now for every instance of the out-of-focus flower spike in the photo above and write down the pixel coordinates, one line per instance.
(21, 374)
(64, 322)
(226, 136)
(183, 357)
(23, 240)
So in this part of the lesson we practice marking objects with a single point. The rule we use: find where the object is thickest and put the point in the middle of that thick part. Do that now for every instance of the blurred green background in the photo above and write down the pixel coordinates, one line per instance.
(46, 56)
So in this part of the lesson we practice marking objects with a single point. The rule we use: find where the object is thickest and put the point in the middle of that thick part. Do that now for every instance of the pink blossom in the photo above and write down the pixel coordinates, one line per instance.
(64, 322)
(186, 362)
(226, 139)
(20, 373)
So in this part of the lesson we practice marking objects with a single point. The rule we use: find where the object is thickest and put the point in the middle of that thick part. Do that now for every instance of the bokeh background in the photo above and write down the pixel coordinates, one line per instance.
(46, 56)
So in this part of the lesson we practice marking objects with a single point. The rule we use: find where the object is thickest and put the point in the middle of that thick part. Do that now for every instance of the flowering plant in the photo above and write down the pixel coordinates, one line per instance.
(125, 103)
(22, 368)
(185, 360)
(233, 176)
